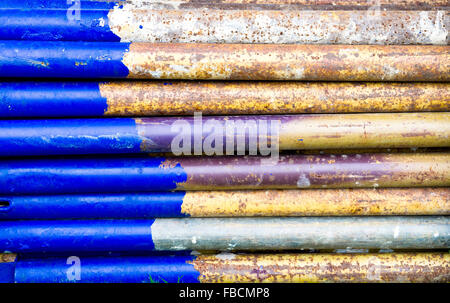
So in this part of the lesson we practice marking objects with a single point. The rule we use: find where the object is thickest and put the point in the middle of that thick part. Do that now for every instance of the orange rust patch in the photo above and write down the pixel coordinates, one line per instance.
(156, 98)
(7, 258)
(399, 267)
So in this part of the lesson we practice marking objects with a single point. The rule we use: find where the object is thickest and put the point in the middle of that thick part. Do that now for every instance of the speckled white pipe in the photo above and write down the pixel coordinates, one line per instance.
(138, 23)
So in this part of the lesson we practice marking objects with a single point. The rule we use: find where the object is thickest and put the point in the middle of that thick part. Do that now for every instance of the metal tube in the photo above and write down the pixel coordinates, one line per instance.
(143, 174)
(283, 203)
(219, 134)
(232, 4)
(178, 23)
(224, 61)
(155, 98)
(227, 234)
(291, 268)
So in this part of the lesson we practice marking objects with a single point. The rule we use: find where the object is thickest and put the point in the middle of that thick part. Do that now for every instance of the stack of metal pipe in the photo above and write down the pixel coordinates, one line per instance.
(224, 141)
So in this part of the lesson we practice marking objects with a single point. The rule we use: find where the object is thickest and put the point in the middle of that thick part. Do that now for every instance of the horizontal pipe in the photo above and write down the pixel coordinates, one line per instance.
(228, 267)
(155, 98)
(143, 174)
(231, 4)
(226, 234)
(218, 135)
(224, 61)
(136, 22)
(282, 203)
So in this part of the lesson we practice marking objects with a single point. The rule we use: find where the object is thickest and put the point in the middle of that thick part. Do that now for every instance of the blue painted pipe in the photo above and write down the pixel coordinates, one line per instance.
(57, 4)
(154, 269)
(76, 235)
(46, 59)
(225, 234)
(55, 25)
(163, 204)
(51, 99)
(90, 175)
(75, 136)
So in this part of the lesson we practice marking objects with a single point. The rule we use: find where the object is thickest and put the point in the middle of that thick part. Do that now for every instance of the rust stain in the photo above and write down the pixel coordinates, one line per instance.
(7, 258)
(295, 268)
(156, 98)
(321, 202)
(288, 62)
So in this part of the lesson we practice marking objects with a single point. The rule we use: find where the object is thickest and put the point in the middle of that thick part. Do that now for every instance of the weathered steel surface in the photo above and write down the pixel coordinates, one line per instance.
(229, 234)
(143, 174)
(224, 61)
(287, 62)
(228, 267)
(334, 202)
(280, 27)
(323, 202)
(315, 171)
(203, 22)
(184, 98)
(229, 4)
(411, 267)
(229, 133)
(155, 98)
(226, 234)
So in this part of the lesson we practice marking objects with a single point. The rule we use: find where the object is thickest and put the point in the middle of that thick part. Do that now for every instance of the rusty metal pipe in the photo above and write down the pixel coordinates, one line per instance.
(283, 203)
(227, 267)
(155, 98)
(175, 22)
(232, 4)
(219, 135)
(226, 234)
(224, 61)
(143, 173)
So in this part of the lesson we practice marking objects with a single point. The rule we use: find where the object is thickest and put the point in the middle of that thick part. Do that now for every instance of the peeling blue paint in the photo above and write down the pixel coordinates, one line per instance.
(151, 205)
(88, 175)
(57, 4)
(55, 25)
(51, 99)
(76, 236)
(155, 269)
(50, 59)
(72, 136)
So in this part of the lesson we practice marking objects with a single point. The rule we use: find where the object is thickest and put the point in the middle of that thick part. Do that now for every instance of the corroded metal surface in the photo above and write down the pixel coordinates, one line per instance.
(339, 202)
(314, 171)
(144, 174)
(286, 4)
(277, 233)
(7, 258)
(185, 98)
(287, 62)
(400, 267)
(280, 26)
(365, 130)
(220, 135)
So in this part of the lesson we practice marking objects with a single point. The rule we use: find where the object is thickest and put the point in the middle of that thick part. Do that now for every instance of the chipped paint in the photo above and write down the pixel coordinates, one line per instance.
(313, 268)
(156, 134)
(143, 173)
(286, 62)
